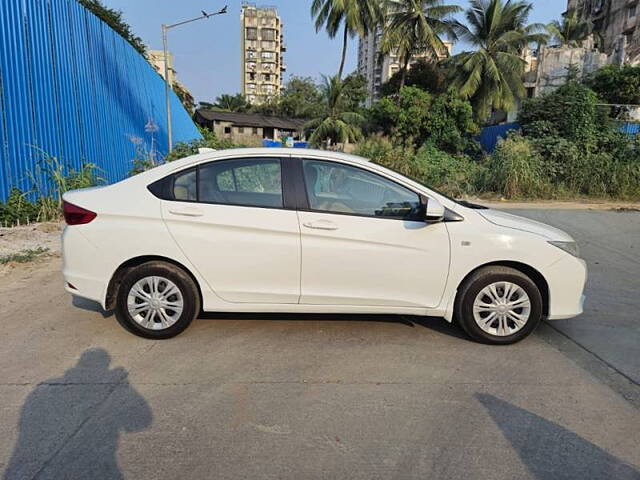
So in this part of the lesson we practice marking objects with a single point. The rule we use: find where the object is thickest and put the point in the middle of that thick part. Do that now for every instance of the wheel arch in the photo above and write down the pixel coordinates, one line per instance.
(118, 275)
(535, 276)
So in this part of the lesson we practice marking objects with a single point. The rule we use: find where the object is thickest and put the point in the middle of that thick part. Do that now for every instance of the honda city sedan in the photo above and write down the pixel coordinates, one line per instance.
(303, 231)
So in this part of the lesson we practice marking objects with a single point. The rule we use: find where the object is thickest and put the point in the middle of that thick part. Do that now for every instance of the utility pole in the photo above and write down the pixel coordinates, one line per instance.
(167, 78)
(168, 85)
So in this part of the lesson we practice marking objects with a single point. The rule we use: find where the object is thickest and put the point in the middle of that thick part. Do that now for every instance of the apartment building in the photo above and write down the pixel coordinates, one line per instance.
(379, 69)
(616, 26)
(262, 49)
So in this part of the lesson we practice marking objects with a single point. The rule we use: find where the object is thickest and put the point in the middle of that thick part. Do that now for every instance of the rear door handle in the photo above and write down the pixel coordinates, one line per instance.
(321, 225)
(187, 212)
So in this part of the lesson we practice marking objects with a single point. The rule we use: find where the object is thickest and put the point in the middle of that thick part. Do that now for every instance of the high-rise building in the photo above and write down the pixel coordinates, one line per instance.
(616, 26)
(378, 69)
(262, 48)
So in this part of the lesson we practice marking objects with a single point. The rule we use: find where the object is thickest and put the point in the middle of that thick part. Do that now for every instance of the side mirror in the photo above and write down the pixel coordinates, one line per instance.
(434, 211)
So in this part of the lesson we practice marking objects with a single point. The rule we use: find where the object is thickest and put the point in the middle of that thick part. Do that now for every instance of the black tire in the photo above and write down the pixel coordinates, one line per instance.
(186, 285)
(480, 280)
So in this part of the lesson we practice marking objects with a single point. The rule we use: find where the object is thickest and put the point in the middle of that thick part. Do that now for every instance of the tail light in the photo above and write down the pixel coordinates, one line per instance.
(75, 215)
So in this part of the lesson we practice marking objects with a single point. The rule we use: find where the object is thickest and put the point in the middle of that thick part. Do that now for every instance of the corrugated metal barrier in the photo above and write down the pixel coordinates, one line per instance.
(490, 136)
(73, 88)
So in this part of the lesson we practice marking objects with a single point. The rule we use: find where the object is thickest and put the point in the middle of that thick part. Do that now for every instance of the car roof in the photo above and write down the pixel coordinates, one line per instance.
(212, 156)
(166, 169)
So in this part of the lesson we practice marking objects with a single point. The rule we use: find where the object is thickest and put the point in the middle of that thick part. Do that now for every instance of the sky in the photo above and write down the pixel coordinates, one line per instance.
(207, 53)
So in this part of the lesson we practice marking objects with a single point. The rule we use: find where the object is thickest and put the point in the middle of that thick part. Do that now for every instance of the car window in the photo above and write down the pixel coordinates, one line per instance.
(337, 188)
(185, 186)
(251, 182)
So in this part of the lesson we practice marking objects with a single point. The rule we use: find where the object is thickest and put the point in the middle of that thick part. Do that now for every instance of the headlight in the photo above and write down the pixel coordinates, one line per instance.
(569, 247)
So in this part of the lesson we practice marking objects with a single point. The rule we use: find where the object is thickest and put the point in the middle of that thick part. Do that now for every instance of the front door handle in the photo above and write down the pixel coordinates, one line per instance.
(187, 212)
(321, 225)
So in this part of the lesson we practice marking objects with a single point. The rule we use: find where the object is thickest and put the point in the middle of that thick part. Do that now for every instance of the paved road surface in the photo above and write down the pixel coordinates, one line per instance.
(610, 241)
(295, 397)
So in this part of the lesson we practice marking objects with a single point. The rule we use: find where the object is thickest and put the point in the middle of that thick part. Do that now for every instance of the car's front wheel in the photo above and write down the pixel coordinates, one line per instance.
(157, 300)
(499, 305)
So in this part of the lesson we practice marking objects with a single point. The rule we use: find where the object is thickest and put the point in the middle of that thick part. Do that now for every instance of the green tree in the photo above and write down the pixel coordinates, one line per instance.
(620, 85)
(571, 31)
(231, 103)
(336, 125)
(300, 98)
(414, 117)
(414, 27)
(354, 92)
(115, 20)
(492, 75)
(424, 74)
(354, 17)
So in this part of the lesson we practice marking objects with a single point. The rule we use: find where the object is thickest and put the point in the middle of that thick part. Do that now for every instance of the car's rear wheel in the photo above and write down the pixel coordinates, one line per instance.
(157, 300)
(499, 305)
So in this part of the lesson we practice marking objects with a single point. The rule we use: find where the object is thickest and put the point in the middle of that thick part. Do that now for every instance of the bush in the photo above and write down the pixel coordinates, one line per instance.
(51, 179)
(454, 175)
(414, 117)
(17, 210)
(570, 112)
(579, 149)
(515, 170)
(559, 157)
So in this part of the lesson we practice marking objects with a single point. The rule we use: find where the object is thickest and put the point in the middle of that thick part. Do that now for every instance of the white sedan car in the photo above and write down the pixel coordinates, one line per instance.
(282, 230)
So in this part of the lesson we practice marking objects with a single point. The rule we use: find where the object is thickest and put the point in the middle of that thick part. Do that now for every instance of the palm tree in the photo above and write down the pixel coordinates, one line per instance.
(415, 27)
(336, 126)
(571, 31)
(353, 16)
(231, 103)
(492, 75)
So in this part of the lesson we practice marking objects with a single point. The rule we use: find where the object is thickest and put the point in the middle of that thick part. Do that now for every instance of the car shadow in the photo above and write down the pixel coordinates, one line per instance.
(90, 306)
(550, 451)
(69, 426)
(436, 324)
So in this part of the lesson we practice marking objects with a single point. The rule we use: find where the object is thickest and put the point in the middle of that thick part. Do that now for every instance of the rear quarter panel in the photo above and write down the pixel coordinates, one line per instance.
(129, 225)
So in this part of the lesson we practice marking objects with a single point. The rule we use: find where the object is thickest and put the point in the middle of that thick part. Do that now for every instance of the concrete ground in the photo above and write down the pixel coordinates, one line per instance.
(296, 397)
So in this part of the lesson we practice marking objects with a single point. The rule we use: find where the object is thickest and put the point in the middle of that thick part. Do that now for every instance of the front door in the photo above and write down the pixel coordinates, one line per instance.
(362, 242)
(229, 219)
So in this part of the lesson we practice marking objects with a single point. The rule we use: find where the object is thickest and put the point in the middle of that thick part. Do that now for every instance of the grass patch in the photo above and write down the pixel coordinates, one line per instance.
(24, 256)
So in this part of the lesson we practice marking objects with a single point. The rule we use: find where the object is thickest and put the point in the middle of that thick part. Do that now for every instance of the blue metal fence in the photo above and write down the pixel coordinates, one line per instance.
(630, 128)
(490, 136)
(73, 88)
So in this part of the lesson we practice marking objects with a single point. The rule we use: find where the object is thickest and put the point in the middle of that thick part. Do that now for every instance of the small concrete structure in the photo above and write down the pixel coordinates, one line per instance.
(554, 63)
(249, 129)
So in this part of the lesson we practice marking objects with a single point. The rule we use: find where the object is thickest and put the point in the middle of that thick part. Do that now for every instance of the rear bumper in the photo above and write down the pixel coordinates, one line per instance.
(81, 266)
(567, 279)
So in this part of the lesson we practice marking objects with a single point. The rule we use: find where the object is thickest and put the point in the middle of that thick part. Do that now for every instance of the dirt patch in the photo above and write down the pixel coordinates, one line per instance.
(14, 241)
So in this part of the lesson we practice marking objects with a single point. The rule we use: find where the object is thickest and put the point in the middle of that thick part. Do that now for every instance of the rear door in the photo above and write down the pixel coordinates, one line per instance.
(231, 220)
(363, 244)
